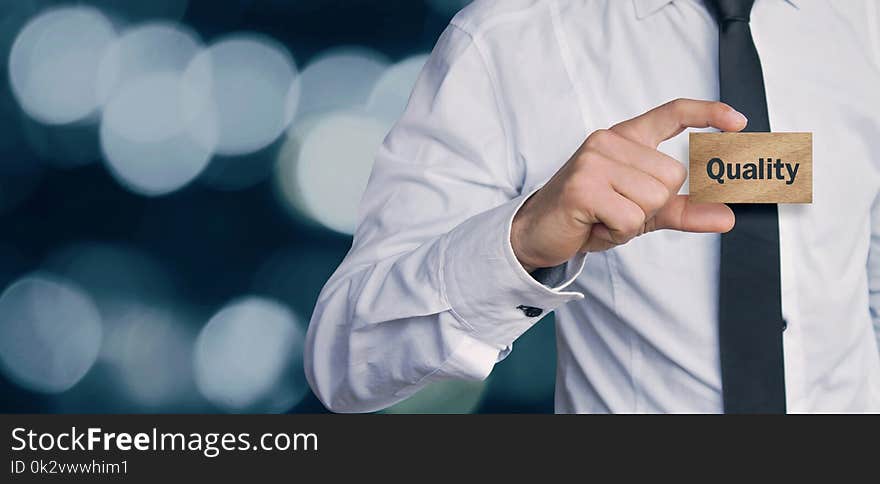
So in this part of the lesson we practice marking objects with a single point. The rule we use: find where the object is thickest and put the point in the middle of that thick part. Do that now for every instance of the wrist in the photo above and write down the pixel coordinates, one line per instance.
(518, 241)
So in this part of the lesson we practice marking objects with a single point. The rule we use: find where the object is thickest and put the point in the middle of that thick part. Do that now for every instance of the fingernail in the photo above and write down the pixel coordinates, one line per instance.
(741, 117)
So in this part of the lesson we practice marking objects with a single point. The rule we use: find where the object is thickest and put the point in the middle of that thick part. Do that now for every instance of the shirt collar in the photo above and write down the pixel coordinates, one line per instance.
(645, 8)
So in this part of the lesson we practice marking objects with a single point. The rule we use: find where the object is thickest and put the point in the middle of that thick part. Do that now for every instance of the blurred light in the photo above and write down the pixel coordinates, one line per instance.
(323, 174)
(50, 333)
(150, 346)
(447, 7)
(156, 47)
(150, 147)
(444, 397)
(250, 81)
(326, 160)
(54, 61)
(16, 13)
(392, 91)
(340, 78)
(248, 358)
(286, 184)
(147, 345)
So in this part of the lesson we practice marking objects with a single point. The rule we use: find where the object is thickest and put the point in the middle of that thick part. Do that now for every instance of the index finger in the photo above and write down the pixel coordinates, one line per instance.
(670, 119)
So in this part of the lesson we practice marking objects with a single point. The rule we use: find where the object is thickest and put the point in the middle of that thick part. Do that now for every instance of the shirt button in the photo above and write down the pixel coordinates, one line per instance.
(531, 312)
(784, 325)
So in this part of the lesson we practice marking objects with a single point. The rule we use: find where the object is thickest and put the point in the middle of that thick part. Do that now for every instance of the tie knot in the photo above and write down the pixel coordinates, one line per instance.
(731, 10)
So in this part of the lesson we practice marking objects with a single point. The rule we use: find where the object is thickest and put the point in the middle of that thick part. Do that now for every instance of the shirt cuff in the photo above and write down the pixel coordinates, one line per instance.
(488, 289)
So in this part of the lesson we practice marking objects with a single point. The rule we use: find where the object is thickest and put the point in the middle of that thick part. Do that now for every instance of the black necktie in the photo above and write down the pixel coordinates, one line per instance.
(750, 307)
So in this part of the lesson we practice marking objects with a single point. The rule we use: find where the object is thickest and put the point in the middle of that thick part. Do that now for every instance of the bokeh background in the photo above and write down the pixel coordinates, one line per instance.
(178, 179)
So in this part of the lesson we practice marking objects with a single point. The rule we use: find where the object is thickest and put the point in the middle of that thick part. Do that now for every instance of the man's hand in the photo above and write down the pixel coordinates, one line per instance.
(618, 186)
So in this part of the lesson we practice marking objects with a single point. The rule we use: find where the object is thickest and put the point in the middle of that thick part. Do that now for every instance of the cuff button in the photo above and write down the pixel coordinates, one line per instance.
(531, 312)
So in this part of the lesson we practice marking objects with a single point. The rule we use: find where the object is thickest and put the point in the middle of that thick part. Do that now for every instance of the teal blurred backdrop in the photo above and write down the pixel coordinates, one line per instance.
(178, 179)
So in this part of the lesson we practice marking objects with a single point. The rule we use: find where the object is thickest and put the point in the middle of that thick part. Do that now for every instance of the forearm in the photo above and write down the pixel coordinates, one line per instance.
(449, 309)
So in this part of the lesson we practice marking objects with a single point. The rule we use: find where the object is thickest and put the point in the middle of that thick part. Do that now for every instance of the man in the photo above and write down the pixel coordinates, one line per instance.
(478, 220)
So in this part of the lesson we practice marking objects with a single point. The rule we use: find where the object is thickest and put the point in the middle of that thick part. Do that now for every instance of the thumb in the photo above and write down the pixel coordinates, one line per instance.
(682, 214)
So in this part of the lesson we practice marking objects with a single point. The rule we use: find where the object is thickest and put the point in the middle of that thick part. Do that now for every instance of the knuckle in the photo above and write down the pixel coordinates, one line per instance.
(590, 162)
(626, 131)
(601, 138)
(586, 155)
(676, 173)
(657, 196)
(632, 222)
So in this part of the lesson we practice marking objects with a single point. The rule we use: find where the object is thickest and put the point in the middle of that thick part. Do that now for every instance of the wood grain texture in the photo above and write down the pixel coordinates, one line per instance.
(794, 149)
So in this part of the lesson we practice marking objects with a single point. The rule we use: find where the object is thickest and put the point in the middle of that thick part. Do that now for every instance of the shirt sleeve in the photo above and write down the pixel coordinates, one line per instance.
(431, 288)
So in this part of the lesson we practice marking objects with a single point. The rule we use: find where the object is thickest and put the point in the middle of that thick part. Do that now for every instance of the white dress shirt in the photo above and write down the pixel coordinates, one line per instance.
(431, 287)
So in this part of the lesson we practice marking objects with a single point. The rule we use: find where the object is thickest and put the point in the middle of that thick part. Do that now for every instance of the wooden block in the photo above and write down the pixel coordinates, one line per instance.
(751, 167)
